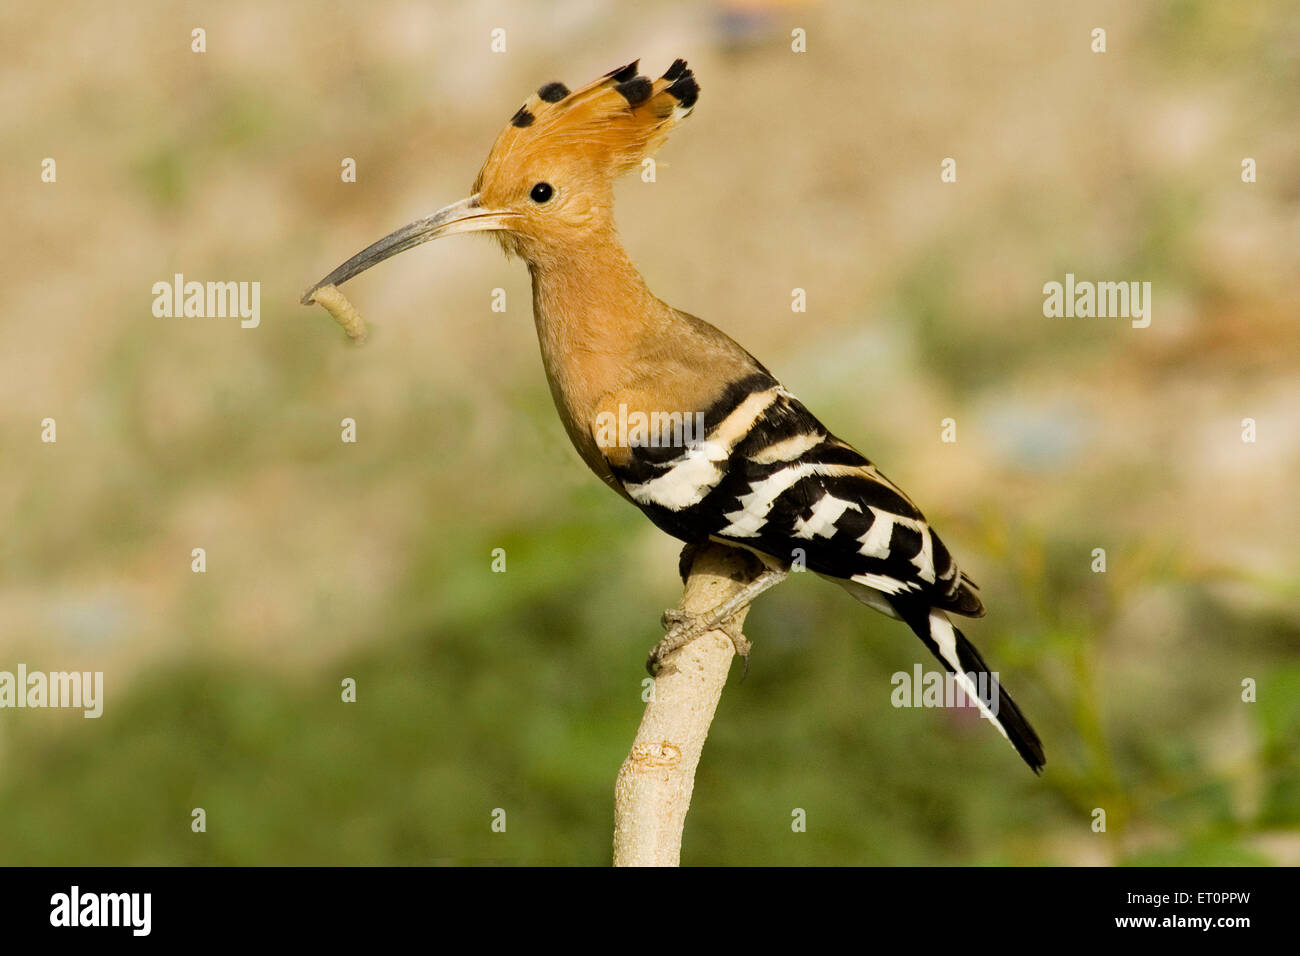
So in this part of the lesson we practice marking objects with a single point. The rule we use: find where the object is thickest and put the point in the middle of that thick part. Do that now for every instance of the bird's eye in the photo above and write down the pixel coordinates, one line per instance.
(542, 192)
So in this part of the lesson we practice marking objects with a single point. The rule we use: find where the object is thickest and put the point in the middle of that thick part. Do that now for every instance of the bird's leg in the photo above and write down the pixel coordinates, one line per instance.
(684, 628)
(677, 618)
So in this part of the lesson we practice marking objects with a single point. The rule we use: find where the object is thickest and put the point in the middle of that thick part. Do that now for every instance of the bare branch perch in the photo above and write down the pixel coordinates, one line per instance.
(653, 790)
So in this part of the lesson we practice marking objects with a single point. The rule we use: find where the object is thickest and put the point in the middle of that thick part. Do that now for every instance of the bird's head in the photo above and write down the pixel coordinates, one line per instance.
(547, 184)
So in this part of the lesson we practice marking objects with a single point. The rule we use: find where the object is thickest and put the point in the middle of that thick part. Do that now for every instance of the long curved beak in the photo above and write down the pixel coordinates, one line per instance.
(464, 216)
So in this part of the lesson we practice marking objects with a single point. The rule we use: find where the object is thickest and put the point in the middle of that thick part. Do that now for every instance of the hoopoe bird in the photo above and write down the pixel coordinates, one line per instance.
(759, 471)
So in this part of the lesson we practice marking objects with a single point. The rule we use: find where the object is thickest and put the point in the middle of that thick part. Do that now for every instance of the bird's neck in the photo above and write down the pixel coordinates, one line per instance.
(596, 320)
(592, 298)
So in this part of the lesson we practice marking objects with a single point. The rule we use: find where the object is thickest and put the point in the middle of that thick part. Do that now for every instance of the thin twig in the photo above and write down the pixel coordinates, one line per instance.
(653, 790)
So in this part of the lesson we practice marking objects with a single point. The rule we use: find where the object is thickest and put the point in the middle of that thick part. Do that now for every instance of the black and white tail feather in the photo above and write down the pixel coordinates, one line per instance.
(770, 478)
(964, 662)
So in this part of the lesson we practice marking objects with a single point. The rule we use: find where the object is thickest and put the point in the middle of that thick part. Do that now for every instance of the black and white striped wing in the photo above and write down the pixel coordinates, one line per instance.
(769, 476)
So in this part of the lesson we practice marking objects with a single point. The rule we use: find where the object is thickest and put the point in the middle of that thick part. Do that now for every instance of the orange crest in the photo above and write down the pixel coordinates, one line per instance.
(597, 132)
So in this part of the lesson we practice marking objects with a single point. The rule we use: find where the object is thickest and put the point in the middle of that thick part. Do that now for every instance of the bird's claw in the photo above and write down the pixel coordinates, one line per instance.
(673, 617)
(743, 647)
(682, 628)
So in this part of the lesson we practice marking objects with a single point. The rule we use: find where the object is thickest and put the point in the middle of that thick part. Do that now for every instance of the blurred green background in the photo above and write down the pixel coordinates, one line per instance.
(521, 690)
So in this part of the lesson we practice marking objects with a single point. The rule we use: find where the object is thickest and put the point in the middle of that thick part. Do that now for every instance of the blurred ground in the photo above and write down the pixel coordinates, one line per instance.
(521, 690)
